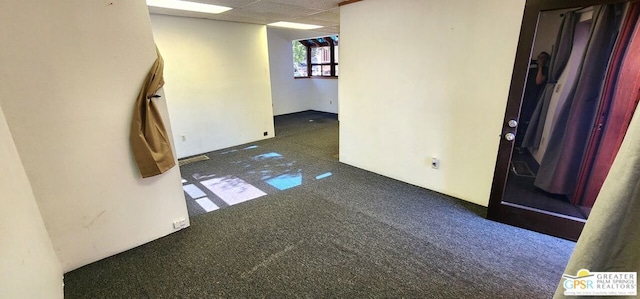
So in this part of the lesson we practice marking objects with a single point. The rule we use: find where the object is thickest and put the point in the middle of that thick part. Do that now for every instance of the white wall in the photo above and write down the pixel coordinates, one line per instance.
(30, 268)
(294, 95)
(438, 88)
(71, 71)
(323, 95)
(217, 82)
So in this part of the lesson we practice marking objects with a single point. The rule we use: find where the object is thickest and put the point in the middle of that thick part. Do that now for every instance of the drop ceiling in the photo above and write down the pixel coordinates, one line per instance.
(318, 12)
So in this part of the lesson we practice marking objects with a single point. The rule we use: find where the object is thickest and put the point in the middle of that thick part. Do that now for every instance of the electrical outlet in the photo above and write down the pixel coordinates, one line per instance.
(265, 133)
(180, 223)
(435, 163)
(183, 137)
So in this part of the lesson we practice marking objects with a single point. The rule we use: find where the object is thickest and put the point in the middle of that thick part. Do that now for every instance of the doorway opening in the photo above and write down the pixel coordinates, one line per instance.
(552, 159)
(302, 154)
(525, 182)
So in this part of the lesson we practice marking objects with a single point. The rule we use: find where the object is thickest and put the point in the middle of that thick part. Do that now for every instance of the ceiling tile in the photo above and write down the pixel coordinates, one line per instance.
(330, 15)
(318, 12)
(178, 13)
(277, 8)
(315, 4)
(248, 13)
(227, 3)
(240, 19)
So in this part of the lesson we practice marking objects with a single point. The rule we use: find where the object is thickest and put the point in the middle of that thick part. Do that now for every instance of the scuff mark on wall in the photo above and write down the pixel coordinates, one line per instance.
(94, 219)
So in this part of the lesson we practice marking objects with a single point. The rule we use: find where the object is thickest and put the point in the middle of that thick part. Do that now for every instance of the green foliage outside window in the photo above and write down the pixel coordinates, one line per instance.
(299, 52)
(321, 61)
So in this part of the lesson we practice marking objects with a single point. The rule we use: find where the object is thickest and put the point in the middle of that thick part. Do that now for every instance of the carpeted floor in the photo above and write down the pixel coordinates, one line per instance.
(350, 234)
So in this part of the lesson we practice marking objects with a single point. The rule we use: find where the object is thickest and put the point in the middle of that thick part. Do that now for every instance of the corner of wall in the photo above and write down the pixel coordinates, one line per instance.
(30, 267)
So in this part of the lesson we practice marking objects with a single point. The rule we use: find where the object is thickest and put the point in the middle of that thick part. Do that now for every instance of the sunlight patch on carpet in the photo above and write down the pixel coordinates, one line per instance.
(267, 156)
(232, 190)
(207, 204)
(324, 175)
(286, 181)
(186, 161)
(200, 176)
(193, 191)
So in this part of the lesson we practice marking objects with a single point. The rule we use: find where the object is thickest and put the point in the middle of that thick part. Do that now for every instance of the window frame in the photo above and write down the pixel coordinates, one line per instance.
(320, 42)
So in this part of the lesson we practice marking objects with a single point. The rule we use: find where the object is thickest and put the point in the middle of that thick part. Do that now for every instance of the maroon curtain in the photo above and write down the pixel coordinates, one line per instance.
(620, 98)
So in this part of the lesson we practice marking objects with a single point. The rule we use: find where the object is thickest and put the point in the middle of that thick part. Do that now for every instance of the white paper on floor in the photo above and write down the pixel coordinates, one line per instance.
(193, 191)
(232, 190)
(207, 204)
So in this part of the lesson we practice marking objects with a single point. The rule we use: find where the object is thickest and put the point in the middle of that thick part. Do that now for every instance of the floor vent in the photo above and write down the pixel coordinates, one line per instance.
(192, 159)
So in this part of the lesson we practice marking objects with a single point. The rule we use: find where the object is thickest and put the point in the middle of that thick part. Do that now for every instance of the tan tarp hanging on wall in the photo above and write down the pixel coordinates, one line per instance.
(149, 142)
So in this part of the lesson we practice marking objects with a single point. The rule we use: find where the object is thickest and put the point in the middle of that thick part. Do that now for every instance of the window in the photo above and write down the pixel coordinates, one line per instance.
(316, 57)
(299, 60)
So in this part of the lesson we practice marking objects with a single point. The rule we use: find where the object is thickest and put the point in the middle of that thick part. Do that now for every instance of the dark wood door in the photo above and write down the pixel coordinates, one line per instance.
(500, 209)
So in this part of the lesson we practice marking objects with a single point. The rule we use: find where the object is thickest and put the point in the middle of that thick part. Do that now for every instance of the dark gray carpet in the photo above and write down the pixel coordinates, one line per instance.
(353, 234)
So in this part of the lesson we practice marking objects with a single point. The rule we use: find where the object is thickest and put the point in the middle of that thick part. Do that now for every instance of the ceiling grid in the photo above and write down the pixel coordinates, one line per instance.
(318, 12)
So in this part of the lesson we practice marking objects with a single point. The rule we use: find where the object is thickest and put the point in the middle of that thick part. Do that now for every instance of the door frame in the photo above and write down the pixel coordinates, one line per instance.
(546, 222)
